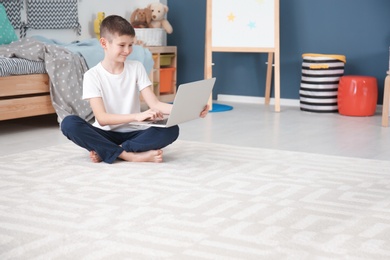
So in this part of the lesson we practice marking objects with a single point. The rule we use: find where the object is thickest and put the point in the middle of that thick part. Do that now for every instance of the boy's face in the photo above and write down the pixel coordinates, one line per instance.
(118, 48)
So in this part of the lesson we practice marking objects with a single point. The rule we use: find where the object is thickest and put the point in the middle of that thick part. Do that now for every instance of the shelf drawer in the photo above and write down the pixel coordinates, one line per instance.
(166, 59)
(166, 80)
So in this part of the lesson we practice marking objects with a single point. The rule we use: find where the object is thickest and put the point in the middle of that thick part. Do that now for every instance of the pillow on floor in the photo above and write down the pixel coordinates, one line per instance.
(7, 32)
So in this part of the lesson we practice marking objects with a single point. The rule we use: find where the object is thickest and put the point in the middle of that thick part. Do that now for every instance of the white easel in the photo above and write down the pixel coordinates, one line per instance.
(232, 28)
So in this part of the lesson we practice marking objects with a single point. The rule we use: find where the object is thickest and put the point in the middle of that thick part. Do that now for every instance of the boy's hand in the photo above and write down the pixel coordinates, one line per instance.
(149, 114)
(205, 111)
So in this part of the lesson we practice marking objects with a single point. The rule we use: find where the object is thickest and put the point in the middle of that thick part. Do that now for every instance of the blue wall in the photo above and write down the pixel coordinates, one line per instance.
(358, 29)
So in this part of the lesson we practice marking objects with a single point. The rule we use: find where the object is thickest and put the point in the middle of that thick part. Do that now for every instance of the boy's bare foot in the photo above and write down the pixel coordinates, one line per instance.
(148, 156)
(94, 157)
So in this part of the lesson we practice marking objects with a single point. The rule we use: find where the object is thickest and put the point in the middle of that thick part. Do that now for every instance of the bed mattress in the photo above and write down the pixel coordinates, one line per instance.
(18, 66)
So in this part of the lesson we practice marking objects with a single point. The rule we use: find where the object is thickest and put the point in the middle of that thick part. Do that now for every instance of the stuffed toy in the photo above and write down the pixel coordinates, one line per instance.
(159, 11)
(141, 18)
(96, 24)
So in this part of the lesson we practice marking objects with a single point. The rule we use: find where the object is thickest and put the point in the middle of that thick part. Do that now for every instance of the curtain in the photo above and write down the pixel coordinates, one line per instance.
(14, 11)
(53, 14)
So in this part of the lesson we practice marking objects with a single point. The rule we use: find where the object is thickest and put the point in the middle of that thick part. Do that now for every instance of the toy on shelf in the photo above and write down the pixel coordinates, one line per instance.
(96, 25)
(141, 18)
(159, 11)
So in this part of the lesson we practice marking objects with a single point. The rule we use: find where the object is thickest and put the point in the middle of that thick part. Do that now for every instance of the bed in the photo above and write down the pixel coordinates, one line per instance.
(25, 96)
(28, 92)
(24, 89)
(58, 87)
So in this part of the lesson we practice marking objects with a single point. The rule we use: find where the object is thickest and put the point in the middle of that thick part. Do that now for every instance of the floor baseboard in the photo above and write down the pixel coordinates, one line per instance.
(261, 100)
(256, 100)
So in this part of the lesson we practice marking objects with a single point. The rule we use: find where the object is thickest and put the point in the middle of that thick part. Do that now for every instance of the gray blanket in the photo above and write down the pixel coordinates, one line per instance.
(65, 70)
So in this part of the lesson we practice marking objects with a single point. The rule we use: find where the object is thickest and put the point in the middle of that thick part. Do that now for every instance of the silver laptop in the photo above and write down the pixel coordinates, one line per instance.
(189, 102)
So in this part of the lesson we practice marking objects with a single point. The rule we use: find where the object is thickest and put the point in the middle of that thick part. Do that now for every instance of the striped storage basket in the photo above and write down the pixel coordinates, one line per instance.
(320, 81)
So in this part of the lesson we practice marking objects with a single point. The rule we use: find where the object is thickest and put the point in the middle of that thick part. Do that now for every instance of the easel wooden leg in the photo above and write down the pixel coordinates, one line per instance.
(277, 81)
(268, 78)
(208, 74)
(386, 100)
(208, 60)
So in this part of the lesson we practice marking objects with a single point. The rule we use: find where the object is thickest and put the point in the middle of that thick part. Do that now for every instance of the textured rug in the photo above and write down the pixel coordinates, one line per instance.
(206, 201)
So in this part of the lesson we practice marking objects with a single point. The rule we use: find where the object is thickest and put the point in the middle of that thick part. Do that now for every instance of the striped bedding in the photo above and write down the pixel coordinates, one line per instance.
(18, 66)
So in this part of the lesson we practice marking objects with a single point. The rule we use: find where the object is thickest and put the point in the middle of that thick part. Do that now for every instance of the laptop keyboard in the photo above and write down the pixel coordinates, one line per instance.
(159, 122)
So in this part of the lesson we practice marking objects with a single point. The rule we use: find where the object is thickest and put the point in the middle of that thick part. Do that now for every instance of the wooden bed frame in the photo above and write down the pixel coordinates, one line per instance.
(25, 96)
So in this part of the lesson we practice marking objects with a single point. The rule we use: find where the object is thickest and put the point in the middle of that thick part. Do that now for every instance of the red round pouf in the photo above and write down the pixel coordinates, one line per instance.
(357, 95)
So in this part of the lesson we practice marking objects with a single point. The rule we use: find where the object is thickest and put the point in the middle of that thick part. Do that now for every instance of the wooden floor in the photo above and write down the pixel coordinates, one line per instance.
(251, 125)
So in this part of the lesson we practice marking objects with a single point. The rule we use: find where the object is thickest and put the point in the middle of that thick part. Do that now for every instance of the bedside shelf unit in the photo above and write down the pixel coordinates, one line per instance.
(163, 74)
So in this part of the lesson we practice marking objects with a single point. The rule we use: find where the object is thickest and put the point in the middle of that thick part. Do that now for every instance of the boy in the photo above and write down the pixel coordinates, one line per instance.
(112, 88)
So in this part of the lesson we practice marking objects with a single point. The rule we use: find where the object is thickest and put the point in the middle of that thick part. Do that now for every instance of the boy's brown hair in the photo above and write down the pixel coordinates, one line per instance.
(115, 24)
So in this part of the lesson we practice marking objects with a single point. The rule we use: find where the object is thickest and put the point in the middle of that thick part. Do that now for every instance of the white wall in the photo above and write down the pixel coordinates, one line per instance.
(87, 14)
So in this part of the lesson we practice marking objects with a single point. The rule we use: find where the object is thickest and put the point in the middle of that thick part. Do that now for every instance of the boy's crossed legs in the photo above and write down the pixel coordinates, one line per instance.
(107, 146)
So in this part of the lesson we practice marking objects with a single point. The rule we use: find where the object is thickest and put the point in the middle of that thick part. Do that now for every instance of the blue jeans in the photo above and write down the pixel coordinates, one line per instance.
(106, 143)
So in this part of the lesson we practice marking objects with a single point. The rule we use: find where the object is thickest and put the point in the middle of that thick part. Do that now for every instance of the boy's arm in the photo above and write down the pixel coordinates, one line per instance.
(165, 108)
(153, 102)
(105, 118)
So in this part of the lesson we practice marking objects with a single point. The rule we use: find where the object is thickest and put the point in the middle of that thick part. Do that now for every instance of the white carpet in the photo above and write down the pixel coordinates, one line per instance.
(206, 201)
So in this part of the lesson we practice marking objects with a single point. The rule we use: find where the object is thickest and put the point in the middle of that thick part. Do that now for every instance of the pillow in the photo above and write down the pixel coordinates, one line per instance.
(7, 32)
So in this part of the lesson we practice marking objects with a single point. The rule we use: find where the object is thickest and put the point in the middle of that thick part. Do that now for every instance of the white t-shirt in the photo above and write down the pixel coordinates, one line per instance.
(120, 93)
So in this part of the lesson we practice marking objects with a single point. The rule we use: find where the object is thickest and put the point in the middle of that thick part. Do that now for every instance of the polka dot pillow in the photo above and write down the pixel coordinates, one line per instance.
(7, 32)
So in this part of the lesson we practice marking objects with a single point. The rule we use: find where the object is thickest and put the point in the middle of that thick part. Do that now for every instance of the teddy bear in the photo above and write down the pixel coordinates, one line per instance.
(159, 11)
(141, 18)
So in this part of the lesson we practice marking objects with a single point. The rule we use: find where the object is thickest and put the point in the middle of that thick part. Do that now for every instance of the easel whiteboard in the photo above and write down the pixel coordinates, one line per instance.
(245, 26)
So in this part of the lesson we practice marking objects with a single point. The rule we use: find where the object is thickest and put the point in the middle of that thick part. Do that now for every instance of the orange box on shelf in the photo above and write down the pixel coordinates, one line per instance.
(166, 80)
